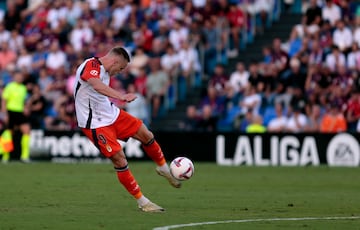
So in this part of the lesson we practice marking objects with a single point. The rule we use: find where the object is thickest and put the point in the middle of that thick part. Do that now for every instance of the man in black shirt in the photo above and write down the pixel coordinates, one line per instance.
(313, 13)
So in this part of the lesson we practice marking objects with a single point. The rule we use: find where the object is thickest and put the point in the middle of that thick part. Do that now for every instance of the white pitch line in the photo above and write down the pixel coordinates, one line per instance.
(256, 220)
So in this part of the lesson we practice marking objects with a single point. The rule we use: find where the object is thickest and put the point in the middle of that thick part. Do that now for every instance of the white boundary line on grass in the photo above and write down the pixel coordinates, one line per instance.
(256, 220)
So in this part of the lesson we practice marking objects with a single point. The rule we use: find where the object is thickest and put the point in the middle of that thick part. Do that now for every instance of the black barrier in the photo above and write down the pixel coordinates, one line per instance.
(340, 149)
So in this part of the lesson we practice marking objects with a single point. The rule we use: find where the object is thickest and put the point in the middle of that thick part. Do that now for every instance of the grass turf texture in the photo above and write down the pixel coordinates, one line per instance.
(88, 196)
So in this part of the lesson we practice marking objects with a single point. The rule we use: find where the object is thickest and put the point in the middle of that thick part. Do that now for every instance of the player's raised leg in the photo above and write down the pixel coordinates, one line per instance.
(127, 179)
(154, 151)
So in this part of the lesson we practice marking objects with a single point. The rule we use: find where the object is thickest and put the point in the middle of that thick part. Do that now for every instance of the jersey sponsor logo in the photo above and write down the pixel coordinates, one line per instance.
(94, 72)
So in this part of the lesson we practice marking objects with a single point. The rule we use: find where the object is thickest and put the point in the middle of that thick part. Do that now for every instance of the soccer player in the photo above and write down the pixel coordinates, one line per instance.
(17, 114)
(104, 123)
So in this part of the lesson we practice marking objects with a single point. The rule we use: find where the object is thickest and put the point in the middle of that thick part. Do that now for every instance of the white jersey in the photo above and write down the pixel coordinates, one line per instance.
(93, 110)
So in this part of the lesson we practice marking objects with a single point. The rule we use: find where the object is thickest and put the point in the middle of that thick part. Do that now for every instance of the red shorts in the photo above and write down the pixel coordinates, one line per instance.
(106, 138)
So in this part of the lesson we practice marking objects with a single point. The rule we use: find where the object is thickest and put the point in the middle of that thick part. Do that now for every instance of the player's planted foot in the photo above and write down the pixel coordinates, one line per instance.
(174, 182)
(151, 207)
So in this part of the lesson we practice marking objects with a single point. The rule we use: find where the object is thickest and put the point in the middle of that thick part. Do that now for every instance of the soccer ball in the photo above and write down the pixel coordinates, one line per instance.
(182, 168)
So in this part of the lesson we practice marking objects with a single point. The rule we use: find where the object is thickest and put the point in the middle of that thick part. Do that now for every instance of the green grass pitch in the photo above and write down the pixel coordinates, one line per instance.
(88, 196)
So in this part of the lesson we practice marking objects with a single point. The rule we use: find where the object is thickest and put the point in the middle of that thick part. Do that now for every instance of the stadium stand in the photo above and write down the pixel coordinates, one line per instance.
(302, 54)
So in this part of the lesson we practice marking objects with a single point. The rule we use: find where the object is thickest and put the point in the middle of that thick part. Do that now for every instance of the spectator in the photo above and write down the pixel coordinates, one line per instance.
(55, 14)
(219, 79)
(313, 13)
(333, 121)
(279, 57)
(266, 52)
(170, 61)
(45, 80)
(190, 64)
(74, 11)
(237, 21)
(316, 55)
(162, 33)
(335, 59)
(331, 12)
(325, 36)
(7, 56)
(207, 120)
(139, 60)
(353, 58)
(239, 79)
(342, 37)
(244, 120)
(356, 32)
(255, 78)
(298, 99)
(39, 58)
(158, 48)
(190, 121)
(199, 4)
(263, 8)
(16, 41)
(297, 121)
(37, 106)
(56, 59)
(278, 123)
(343, 81)
(12, 16)
(352, 111)
(56, 85)
(140, 82)
(138, 107)
(156, 87)
(251, 101)
(116, 84)
(94, 4)
(256, 125)
(102, 13)
(82, 34)
(126, 78)
(215, 100)
(346, 11)
(178, 34)
(120, 14)
(4, 34)
(62, 118)
(143, 37)
(294, 43)
(318, 79)
(314, 119)
(296, 77)
(173, 13)
(24, 61)
(212, 45)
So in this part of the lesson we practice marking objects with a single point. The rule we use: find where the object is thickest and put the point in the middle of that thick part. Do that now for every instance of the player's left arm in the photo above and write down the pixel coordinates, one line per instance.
(101, 88)
(91, 74)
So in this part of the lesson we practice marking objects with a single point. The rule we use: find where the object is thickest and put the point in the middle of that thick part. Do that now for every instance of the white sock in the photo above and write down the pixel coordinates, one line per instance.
(164, 168)
(142, 200)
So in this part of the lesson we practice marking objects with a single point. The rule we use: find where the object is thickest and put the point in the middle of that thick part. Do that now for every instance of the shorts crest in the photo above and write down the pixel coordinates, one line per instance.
(102, 139)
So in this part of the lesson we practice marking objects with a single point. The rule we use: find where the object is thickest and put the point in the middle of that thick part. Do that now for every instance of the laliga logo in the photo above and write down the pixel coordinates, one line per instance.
(343, 150)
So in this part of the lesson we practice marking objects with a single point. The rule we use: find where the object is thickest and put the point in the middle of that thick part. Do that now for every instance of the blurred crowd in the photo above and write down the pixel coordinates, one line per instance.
(174, 45)
(307, 83)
